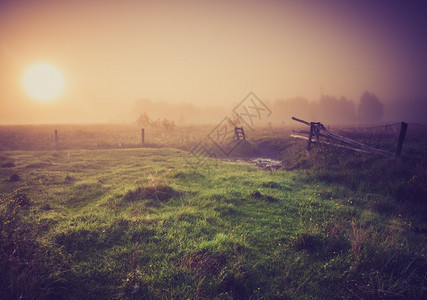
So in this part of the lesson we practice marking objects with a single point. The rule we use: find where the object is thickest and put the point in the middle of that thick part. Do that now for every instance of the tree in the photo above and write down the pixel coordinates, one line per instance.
(370, 108)
(168, 125)
(333, 109)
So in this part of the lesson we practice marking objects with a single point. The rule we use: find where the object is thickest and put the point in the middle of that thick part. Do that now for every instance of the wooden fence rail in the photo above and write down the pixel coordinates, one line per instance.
(317, 130)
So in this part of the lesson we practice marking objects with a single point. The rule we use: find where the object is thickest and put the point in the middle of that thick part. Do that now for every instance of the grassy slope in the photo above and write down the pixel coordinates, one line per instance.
(145, 223)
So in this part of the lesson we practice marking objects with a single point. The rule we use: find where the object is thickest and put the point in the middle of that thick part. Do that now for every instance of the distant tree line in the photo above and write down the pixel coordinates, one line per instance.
(330, 108)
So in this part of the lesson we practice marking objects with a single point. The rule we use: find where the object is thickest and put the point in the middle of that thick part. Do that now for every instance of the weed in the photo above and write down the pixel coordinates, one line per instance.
(358, 239)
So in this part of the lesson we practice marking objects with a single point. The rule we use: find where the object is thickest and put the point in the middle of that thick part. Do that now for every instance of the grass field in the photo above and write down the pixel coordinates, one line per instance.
(146, 224)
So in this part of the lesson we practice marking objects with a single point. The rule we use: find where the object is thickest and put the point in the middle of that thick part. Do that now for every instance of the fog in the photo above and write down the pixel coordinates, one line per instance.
(328, 109)
(192, 61)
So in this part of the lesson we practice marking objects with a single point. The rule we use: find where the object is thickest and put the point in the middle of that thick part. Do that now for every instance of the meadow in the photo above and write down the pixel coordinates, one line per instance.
(100, 217)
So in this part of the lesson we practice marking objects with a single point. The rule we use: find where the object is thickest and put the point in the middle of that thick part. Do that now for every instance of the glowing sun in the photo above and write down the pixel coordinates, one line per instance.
(43, 81)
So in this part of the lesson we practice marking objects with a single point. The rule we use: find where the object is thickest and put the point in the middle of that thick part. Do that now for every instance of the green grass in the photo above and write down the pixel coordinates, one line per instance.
(146, 224)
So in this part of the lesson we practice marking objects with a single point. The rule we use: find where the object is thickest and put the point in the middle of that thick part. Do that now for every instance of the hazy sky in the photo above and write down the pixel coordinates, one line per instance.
(112, 53)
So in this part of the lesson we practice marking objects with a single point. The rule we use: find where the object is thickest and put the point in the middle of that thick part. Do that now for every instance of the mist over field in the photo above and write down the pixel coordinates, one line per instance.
(329, 109)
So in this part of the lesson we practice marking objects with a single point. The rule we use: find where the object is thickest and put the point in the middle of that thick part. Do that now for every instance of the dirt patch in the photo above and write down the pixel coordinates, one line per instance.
(266, 163)
(260, 155)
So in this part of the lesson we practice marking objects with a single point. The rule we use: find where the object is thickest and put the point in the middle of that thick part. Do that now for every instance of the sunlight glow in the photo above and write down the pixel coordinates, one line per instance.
(43, 82)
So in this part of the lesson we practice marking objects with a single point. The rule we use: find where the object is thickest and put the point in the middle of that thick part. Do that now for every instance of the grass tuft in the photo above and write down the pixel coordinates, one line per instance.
(160, 193)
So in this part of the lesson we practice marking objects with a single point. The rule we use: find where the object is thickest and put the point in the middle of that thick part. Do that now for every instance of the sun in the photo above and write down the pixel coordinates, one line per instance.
(43, 81)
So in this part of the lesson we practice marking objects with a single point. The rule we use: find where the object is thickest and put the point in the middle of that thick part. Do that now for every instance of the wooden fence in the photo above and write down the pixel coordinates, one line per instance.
(318, 130)
(239, 134)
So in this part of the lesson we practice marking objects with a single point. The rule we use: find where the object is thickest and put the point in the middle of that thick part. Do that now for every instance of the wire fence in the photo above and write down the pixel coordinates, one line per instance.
(386, 136)
(382, 136)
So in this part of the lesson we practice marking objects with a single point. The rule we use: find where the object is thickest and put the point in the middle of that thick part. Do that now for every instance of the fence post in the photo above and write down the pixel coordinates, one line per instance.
(316, 132)
(56, 138)
(403, 128)
(310, 135)
(142, 136)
